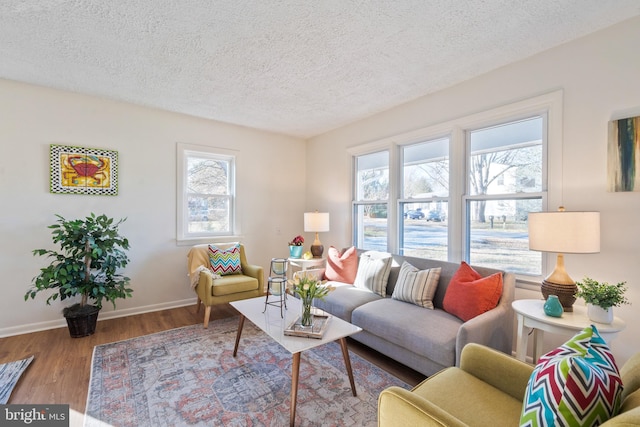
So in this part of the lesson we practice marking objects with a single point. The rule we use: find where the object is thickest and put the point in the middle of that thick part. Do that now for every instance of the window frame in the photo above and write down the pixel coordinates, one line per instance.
(457, 130)
(184, 152)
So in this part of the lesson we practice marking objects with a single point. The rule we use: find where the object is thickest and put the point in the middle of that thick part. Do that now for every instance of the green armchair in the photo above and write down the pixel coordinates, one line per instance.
(486, 390)
(211, 290)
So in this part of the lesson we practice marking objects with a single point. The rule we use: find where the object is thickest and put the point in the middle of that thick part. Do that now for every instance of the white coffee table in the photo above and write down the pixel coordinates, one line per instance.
(530, 316)
(274, 325)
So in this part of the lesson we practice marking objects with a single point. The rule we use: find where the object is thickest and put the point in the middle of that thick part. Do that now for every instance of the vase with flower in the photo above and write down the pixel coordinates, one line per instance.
(295, 247)
(308, 287)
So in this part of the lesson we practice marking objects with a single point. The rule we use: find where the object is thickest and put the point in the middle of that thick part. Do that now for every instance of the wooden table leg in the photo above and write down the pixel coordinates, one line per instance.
(235, 349)
(295, 371)
(347, 363)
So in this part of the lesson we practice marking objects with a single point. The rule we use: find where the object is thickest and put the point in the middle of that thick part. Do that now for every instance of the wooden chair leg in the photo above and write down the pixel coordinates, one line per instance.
(207, 313)
(198, 304)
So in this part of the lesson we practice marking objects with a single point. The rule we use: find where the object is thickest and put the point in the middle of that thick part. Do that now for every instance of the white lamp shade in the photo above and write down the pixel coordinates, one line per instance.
(564, 232)
(316, 221)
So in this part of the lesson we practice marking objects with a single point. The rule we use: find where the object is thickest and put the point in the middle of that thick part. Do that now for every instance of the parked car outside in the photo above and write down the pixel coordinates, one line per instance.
(435, 216)
(414, 214)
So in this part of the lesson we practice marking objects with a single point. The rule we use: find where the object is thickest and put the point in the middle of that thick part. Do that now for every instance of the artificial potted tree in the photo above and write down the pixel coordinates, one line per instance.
(91, 252)
(601, 298)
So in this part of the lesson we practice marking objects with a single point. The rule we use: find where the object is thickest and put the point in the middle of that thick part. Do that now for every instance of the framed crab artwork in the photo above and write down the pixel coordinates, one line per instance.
(78, 170)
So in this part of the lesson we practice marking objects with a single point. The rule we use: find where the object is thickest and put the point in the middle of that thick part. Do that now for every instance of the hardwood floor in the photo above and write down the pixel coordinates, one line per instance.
(61, 368)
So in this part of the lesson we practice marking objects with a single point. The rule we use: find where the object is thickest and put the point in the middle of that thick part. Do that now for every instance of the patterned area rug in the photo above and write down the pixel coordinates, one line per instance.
(188, 376)
(9, 375)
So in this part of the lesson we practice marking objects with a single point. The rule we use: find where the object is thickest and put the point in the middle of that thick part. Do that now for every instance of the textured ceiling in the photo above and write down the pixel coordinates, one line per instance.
(290, 66)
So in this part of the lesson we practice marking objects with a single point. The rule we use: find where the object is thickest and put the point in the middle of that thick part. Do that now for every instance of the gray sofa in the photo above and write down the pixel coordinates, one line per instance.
(422, 339)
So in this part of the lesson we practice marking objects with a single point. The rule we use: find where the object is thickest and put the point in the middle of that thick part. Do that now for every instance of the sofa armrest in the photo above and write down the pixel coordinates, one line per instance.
(503, 372)
(398, 407)
(493, 328)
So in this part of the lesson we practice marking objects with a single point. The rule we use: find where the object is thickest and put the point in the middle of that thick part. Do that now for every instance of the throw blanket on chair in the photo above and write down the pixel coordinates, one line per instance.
(194, 276)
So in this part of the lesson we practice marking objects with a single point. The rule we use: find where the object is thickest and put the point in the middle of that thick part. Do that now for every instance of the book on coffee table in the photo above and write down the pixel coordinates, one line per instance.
(320, 322)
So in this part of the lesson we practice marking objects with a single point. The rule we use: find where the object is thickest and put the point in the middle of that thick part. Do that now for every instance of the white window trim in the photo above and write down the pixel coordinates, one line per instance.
(183, 238)
(550, 103)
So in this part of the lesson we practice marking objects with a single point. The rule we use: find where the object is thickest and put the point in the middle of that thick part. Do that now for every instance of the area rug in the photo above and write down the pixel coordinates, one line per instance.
(188, 376)
(9, 375)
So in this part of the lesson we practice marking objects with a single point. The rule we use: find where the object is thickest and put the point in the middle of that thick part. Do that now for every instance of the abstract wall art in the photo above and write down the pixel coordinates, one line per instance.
(623, 168)
(78, 170)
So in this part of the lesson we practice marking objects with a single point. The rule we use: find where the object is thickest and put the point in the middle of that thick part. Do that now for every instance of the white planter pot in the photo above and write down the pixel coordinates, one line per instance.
(599, 315)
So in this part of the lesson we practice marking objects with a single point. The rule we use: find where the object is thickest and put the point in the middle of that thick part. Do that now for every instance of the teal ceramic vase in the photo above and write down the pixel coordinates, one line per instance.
(295, 251)
(552, 306)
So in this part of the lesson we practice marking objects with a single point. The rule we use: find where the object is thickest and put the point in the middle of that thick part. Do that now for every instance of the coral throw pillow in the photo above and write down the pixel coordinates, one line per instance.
(469, 294)
(225, 261)
(577, 384)
(341, 267)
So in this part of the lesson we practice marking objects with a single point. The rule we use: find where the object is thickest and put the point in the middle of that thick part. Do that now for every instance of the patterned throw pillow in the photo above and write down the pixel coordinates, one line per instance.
(373, 272)
(341, 267)
(469, 294)
(225, 261)
(577, 384)
(416, 286)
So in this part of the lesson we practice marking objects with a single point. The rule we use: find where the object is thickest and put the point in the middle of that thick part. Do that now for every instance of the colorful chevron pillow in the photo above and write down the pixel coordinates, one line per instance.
(577, 384)
(225, 261)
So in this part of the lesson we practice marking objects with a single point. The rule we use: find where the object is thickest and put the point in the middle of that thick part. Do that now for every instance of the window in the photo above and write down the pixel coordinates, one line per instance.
(462, 190)
(425, 199)
(206, 192)
(504, 184)
(371, 205)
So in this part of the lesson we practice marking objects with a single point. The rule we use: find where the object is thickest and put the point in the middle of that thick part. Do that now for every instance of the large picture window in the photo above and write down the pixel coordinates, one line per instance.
(206, 192)
(462, 190)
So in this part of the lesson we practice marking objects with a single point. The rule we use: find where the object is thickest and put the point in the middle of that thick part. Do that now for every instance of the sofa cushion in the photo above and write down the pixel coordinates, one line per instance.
(430, 333)
(225, 261)
(469, 294)
(344, 299)
(416, 286)
(341, 267)
(576, 384)
(373, 272)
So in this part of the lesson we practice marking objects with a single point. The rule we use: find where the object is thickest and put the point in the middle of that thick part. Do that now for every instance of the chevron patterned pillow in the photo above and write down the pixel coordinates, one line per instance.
(577, 384)
(225, 261)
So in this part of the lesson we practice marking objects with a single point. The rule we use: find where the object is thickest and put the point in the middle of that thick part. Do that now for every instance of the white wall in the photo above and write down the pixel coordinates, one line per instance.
(32, 117)
(600, 77)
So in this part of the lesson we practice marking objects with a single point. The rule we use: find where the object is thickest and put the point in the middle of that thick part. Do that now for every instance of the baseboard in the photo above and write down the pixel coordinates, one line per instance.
(104, 315)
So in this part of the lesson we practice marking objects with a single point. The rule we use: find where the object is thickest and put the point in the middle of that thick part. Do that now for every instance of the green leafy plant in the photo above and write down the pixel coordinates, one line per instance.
(602, 294)
(91, 252)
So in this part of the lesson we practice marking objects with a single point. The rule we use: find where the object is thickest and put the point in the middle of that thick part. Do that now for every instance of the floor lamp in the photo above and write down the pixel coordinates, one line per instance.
(316, 222)
(563, 233)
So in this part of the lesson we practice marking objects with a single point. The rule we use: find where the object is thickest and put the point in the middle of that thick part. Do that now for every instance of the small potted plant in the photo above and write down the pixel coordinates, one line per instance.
(91, 252)
(601, 298)
(295, 247)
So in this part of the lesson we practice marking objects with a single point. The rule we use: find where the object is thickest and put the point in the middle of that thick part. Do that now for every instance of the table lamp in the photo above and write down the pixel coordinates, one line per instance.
(563, 232)
(316, 222)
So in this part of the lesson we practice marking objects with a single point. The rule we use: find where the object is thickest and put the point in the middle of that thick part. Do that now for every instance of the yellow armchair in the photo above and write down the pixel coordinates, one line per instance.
(221, 290)
(486, 390)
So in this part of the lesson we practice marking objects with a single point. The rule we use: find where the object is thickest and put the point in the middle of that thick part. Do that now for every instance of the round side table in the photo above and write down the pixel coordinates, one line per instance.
(530, 316)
